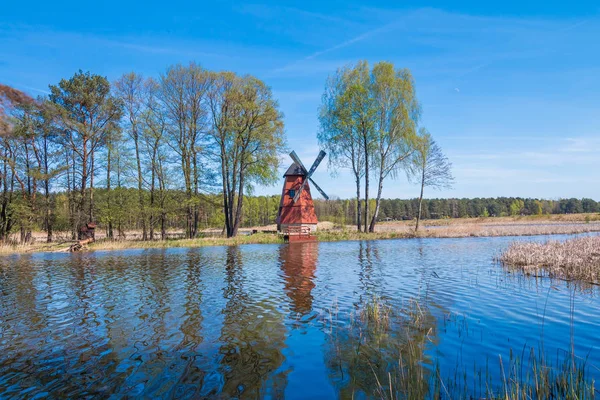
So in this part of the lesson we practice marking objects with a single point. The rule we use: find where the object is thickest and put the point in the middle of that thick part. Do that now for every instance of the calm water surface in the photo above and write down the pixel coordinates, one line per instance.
(267, 320)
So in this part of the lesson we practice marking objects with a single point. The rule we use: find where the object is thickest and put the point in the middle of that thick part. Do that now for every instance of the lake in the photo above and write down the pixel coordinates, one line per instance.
(273, 321)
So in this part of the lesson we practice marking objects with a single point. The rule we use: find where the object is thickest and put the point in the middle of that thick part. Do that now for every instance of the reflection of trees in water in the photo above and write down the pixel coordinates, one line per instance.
(191, 379)
(168, 327)
(20, 315)
(299, 262)
(253, 336)
(91, 327)
(66, 349)
(379, 344)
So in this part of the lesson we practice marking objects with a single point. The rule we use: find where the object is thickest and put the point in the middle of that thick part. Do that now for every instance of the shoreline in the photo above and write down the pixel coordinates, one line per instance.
(385, 232)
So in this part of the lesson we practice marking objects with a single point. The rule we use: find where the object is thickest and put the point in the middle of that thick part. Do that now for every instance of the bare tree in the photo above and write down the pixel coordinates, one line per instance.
(130, 90)
(429, 167)
(183, 94)
(153, 136)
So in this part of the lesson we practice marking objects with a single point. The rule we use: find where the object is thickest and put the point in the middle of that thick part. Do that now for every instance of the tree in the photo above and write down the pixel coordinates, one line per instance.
(516, 207)
(47, 151)
(247, 132)
(183, 95)
(338, 136)
(368, 119)
(130, 90)
(360, 108)
(11, 100)
(396, 116)
(153, 136)
(86, 111)
(430, 167)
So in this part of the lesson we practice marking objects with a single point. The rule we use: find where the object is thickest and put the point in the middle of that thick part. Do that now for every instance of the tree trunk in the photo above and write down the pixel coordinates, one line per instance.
(225, 195)
(47, 201)
(358, 208)
(92, 173)
(152, 188)
(377, 204)
(366, 216)
(49, 222)
(139, 173)
(420, 201)
(196, 206)
(110, 233)
(81, 214)
(238, 211)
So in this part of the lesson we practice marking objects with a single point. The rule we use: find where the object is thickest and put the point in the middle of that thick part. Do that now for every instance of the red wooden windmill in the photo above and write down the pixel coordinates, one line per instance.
(296, 219)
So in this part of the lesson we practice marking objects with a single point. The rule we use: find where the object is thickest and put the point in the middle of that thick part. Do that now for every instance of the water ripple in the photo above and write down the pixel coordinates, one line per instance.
(258, 320)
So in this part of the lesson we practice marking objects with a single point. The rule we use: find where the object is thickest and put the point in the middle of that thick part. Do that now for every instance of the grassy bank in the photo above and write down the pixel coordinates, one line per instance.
(329, 232)
(104, 244)
(573, 259)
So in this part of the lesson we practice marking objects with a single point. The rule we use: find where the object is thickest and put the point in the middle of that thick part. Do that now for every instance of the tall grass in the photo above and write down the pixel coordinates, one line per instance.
(573, 259)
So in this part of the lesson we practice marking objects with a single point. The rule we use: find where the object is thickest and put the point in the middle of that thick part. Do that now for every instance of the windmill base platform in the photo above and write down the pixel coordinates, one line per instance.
(296, 233)
(299, 238)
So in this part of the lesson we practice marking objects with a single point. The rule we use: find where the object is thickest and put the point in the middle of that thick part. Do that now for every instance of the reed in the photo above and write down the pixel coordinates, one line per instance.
(382, 353)
(573, 259)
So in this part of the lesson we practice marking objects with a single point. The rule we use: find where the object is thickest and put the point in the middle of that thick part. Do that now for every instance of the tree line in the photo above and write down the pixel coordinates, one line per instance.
(344, 211)
(75, 157)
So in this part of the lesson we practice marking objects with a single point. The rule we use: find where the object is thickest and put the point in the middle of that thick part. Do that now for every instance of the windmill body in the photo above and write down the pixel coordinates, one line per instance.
(297, 218)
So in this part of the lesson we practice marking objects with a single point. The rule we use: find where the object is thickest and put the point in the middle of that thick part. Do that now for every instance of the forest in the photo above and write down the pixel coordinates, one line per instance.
(73, 159)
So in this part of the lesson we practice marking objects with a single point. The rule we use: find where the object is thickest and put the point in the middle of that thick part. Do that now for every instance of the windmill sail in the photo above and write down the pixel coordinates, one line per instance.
(319, 189)
(309, 174)
(297, 161)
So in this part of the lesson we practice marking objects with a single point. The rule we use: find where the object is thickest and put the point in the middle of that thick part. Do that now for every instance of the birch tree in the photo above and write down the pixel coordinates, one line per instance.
(368, 118)
(396, 117)
(429, 167)
(338, 137)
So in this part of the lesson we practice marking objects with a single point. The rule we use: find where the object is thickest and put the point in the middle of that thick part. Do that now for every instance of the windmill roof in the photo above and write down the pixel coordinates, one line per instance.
(294, 170)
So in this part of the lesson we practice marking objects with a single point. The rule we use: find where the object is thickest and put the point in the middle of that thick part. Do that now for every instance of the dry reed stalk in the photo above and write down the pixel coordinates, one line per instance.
(573, 259)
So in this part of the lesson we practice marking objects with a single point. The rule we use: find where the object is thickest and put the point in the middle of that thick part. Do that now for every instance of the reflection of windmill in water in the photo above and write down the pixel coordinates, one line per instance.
(296, 219)
(299, 263)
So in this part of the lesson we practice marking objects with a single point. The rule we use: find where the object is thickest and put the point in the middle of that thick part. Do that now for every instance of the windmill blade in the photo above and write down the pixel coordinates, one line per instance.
(309, 174)
(296, 159)
(319, 189)
(316, 164)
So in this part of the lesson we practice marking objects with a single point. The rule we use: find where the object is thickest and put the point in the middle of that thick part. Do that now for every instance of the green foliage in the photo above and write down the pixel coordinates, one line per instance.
(368, 118)
(516, 207)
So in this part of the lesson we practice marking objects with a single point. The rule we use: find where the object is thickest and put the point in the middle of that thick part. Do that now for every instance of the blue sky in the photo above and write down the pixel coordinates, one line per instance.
(511, 92)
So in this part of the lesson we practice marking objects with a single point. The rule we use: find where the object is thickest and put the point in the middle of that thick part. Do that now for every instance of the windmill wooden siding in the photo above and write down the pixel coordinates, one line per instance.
(299, 217)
